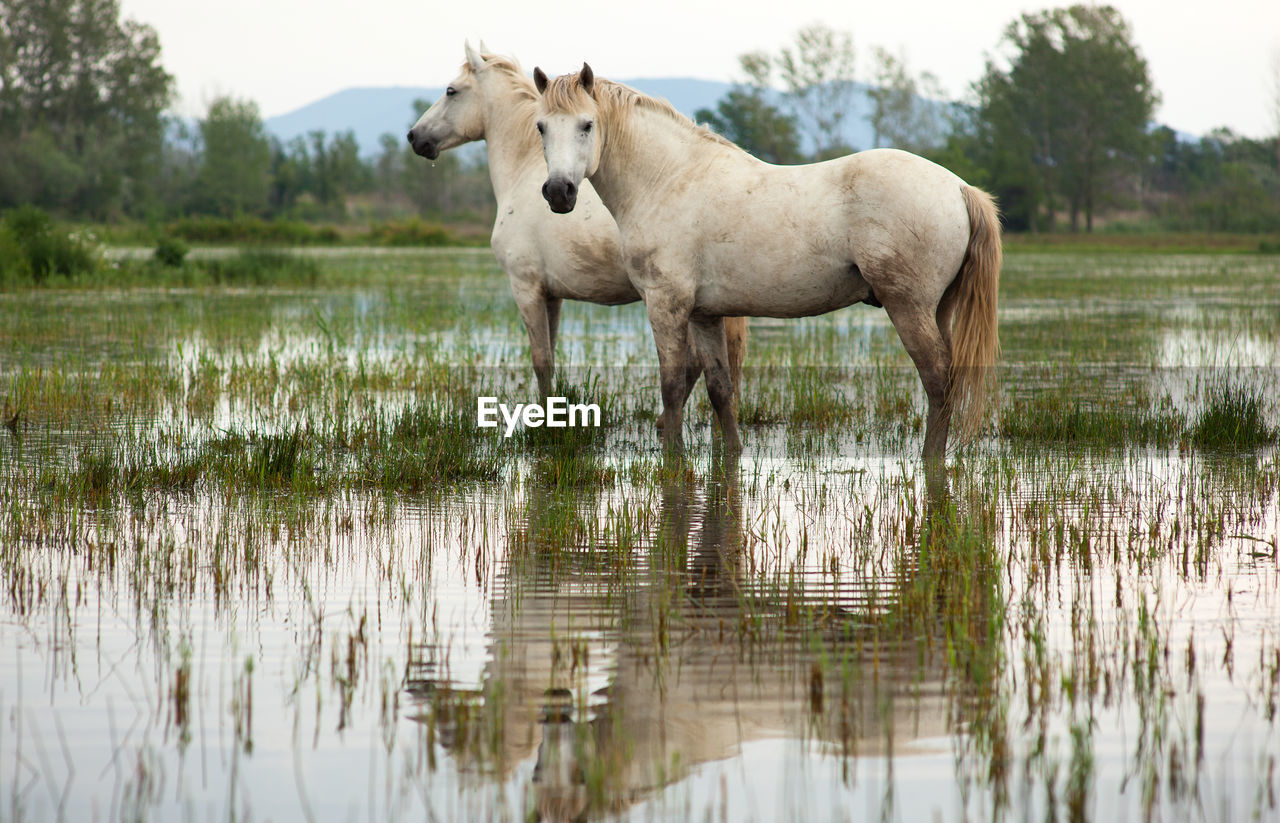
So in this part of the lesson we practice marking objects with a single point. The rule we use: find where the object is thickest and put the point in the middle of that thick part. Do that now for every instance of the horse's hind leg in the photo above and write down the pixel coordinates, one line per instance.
(924, 341)
(709, 338)
(735, 336)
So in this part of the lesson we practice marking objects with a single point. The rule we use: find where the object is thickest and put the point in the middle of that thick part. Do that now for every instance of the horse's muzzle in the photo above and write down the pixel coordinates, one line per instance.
(423, 147)
(561, 195)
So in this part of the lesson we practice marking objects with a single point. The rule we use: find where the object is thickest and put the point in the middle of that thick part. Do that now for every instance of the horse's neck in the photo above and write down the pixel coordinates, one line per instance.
(648, 155)
(511, 137)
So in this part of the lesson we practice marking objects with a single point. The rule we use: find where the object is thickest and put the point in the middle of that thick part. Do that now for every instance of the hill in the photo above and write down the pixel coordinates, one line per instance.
(371, 112)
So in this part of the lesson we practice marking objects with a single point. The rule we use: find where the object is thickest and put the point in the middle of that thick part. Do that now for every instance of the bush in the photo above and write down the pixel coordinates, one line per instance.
(261, 266)
(171, 251)
(411, 232)
(238, 230)
(33, 248)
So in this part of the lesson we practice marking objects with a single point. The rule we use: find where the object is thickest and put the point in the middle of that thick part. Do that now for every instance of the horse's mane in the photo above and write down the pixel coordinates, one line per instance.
(616, 101)
(510, 66)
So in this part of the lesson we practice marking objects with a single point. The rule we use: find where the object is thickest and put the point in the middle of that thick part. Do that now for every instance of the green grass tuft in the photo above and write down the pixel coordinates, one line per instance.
(1233, 417)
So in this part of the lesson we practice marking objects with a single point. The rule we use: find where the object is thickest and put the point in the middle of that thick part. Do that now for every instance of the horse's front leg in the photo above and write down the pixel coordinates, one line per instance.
(669, 319)
(534, 311)
(709, 338)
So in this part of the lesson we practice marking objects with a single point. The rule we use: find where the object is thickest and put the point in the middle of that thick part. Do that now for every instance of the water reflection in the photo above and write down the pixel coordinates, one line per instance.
(623, 666)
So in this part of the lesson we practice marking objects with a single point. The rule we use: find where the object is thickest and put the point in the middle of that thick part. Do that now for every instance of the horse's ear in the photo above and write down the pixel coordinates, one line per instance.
(483, 48)
(540, 80)
(474, 60)
(587, 78)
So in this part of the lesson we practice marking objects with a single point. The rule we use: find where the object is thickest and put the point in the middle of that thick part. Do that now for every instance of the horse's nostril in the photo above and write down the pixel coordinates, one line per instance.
(410, 135)
(546, 190)
(570, 189)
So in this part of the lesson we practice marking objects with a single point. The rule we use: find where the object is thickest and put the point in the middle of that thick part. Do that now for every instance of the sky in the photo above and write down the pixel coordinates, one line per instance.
(1213, 63)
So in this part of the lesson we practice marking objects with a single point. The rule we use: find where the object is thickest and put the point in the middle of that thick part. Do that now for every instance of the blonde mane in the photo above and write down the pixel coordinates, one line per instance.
(615, 102)
(509, 66)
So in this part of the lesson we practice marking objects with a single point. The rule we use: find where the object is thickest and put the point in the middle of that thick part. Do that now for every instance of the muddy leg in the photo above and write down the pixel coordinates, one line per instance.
(708, 337)
(920, 335)
(692, 371)
(669, 319)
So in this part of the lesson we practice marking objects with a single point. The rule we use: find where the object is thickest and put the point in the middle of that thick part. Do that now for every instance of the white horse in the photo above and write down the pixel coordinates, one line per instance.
(709, 231)
(547, 258)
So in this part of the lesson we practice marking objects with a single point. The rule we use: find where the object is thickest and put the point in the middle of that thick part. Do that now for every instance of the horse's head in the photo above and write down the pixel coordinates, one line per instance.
(457, 117)
(567, 113)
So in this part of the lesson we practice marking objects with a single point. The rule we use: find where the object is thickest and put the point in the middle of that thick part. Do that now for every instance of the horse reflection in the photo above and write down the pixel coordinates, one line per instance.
(622, 669)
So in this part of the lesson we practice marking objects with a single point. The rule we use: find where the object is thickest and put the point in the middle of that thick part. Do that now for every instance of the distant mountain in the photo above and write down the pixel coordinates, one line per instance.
(369, 112)
(372, 112)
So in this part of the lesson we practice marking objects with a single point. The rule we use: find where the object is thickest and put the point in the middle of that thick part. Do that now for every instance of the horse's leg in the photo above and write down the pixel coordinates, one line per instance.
(553, 324)
(692, 367)
(924, 341)
(692, 371)
(553, 332)
(535, 311)
(735, 335)
(709, 338)
(669, 319)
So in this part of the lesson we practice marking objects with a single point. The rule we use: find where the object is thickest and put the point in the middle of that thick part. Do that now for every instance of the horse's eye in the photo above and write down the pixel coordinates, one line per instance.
(587, 126)
(541, 128)
(450, 92)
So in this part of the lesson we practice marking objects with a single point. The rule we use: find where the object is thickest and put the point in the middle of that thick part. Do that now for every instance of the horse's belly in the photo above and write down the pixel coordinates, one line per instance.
(786, 294)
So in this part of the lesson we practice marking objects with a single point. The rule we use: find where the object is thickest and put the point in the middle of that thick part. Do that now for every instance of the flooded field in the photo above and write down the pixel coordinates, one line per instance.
(257, 562)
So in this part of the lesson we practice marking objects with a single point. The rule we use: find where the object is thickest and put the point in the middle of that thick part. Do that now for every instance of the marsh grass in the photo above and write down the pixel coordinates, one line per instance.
(270, 513)
(1233, 417)
(260, 267)
(427, 447)
(1053, 417)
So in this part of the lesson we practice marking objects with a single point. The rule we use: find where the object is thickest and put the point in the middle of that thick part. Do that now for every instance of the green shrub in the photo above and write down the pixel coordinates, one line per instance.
(411, 232)
(238, 230)
(171, 251)
(34, 248)
(259, 266)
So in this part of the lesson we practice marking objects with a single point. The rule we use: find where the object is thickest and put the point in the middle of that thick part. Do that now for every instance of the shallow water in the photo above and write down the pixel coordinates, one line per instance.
(1075, 631)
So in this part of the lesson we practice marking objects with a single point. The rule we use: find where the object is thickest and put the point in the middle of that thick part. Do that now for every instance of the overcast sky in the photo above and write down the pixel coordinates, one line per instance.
(1212, 61)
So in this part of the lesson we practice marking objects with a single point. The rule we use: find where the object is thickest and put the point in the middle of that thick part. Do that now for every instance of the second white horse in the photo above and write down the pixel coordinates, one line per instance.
(547, 257)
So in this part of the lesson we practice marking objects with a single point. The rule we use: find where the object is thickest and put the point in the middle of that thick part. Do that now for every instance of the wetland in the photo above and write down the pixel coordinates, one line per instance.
(258, 561)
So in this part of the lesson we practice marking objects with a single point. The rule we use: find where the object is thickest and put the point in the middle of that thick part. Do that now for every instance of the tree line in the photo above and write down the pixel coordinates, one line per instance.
(1059, 127)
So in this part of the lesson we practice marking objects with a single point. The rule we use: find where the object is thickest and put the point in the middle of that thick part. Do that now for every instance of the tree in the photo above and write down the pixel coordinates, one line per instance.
(81, 97)
(818, 75)
(235, 167)
(746, 117)
(336, 168)
(907, 111)
(1070, 111)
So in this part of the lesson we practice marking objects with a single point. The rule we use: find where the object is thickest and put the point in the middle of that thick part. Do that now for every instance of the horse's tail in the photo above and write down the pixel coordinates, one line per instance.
(735, 336)
(975, 342)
